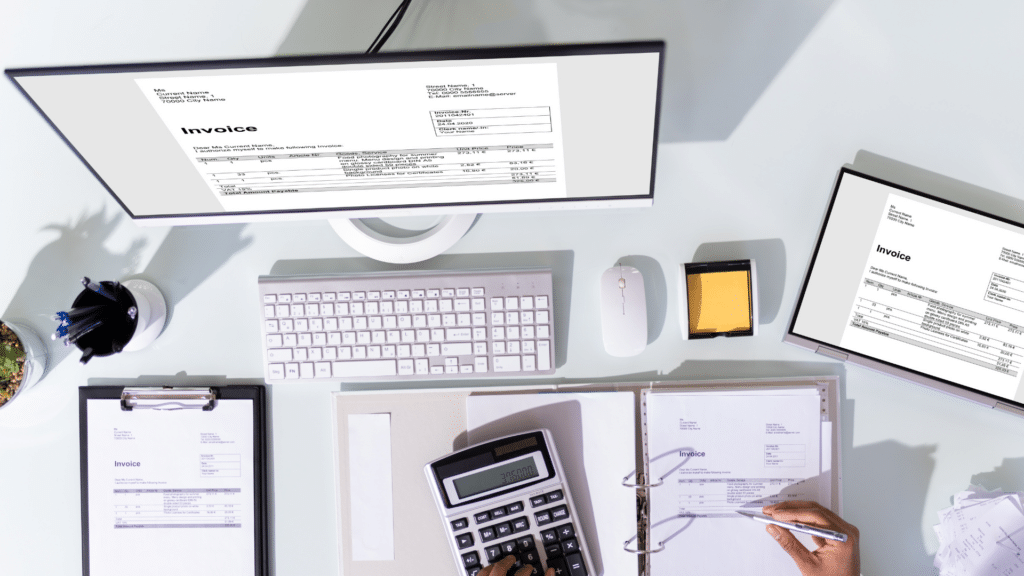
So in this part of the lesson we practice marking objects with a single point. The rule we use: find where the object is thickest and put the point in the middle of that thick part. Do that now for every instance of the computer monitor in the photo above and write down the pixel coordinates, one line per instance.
(454, 132)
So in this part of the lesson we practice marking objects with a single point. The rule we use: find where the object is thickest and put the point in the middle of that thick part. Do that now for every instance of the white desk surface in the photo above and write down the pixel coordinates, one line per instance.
(762, 107)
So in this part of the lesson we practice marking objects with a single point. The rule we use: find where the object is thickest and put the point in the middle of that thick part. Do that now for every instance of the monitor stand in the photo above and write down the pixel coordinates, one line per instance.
(398, 249)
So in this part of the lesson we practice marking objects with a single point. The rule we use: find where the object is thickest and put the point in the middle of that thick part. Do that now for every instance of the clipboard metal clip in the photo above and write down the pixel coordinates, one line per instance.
(168, 398)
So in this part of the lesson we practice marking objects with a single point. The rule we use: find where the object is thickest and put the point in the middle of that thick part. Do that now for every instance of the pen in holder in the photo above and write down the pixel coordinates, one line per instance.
(110, 317)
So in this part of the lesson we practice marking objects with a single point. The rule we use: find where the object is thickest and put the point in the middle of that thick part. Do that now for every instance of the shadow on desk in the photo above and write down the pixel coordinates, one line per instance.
(559, 261)
(187, 256)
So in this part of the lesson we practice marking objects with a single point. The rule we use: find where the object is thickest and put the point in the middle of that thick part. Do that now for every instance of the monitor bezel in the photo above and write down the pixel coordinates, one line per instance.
(837, 352)
(484, 53)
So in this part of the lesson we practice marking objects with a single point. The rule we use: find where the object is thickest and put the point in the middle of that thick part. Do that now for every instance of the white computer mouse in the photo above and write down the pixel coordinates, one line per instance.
(623, 311)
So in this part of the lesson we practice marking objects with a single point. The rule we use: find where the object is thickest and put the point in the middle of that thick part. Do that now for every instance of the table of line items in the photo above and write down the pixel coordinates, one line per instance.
(177, 508)
(944, 328)
(275, 172)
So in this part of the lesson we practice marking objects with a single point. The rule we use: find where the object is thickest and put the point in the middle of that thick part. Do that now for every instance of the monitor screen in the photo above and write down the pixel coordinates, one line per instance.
(919, 287)
(364, 135)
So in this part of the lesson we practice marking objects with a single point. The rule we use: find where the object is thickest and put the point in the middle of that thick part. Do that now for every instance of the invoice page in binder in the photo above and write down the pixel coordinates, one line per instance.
(171, 492)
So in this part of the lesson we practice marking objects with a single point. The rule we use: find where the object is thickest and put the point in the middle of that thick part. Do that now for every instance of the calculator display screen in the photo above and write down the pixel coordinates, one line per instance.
(505, 475)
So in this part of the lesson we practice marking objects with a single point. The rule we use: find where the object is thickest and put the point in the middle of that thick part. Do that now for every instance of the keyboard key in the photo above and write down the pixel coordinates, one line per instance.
(506, 364)
(529, 363)
(542, 317)
(405, 367)
(276, 371)
(464, 540)
(268, 311)
(543, 355)
(306, 370)
(480, 365)
(274, 340)
(323, 369)
(279, 355)
(269, 298)
(512, 303)
(364, 369)
(541, 301)
(271, 325)
(458, 334)
(291, 371)
(497, 303)
(456, 348)
(526, 302)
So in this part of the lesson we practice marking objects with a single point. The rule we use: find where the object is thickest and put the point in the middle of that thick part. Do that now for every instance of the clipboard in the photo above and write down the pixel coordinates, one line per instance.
(426, 424)
(174, 480)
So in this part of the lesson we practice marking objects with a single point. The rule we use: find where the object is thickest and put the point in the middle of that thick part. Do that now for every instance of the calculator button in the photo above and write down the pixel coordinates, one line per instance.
(558, 564)
(513, 508)
(464, 540)
(487, 534)
(535, 570)
(554, 496)
(560, 513)
(565, 531)
(571, 545)
(520, 524)
(530, 557)
(499, 513)
(493, 553)
(553, 550)
(549, 537)
(538, 500)
(460, 524)
(483, 517)
(474, 570)
(509, 547)
(470, 559)
(575, 563)
(543, 518)
(503, 529)
(525, 542)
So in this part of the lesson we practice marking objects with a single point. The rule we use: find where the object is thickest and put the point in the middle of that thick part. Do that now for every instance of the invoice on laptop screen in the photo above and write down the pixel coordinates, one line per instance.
(919, 284)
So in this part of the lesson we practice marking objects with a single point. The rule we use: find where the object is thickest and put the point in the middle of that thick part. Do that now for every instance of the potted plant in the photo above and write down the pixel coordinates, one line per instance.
(22, 360)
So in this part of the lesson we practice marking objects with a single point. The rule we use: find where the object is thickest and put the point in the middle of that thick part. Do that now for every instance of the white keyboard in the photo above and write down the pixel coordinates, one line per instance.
(407, 325)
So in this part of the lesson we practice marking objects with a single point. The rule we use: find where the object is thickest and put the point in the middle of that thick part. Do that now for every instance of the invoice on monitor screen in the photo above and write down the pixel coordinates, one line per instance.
(923, 285)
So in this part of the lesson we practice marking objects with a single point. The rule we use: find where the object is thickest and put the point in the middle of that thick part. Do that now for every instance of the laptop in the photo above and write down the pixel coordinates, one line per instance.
(918, 287)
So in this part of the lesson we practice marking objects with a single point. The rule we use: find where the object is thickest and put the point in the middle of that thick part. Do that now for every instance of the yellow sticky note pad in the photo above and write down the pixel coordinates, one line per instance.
(719, 301)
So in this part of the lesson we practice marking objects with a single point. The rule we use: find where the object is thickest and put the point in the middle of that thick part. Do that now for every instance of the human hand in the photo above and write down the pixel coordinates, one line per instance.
(831, 558)
(501, 567)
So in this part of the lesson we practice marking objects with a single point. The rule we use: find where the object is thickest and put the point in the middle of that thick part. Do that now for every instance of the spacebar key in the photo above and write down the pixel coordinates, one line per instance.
(363, 368)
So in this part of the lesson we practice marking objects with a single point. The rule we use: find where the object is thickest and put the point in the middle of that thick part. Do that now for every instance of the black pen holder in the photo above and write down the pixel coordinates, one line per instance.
(118, 325)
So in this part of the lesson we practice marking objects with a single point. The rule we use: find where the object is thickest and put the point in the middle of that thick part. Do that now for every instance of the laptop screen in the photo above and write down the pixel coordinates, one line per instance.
(918, 284)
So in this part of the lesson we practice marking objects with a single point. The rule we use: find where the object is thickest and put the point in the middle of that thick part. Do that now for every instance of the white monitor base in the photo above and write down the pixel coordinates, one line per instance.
(418, 248)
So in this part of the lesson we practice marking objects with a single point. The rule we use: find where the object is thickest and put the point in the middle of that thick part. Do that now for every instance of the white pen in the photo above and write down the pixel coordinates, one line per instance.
(812, 530)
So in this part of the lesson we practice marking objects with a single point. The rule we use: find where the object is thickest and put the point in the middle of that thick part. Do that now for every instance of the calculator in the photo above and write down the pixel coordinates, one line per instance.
(509, 496)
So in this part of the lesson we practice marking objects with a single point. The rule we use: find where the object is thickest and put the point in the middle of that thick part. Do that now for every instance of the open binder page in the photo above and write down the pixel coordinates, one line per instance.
(719, 452)
(594, 433)
(171, 492)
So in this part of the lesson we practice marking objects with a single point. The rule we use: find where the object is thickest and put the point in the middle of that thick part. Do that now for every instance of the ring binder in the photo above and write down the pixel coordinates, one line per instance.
(637, 551)
(168, 398)
(644, 485)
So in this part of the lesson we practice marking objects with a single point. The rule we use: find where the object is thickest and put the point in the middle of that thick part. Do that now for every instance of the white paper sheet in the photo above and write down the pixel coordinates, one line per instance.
(370, 487)
(718, 452)
(981, 534)
(171, 492)
(595, 438)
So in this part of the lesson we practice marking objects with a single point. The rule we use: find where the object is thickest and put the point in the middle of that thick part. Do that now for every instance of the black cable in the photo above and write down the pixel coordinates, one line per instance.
(389, 27)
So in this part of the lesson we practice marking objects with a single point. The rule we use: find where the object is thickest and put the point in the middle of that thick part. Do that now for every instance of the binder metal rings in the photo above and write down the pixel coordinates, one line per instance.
(625, 546)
